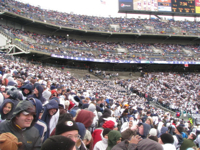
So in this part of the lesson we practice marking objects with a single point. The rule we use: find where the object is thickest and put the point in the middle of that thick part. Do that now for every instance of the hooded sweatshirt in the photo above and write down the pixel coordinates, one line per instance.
(46, 116)
(147, 128)
(101, 145)
(85, 117)
(40, 97)
(28, 136)
(40, 125)
(113, 137)
(8, 115)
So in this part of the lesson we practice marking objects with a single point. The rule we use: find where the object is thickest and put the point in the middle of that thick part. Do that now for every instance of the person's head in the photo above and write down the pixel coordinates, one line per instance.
(8, 141)
(148, 113)
(130, 124)
(7, 108)
(98, 101)
(149, 121)
(127, 134)
(192, 136)
(26, 91)
(87, 138)
(141, 129)
(114, 137)
(105, 132)
(36, 92)
(58, 142)
(67, 127)
(59, 91)
(3, 88)
(144, 129)
(166, 138)
(52, 111)
(178, 130)
(24, 114)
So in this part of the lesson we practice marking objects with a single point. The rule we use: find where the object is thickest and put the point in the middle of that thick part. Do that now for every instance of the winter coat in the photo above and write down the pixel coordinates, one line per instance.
(29, 136)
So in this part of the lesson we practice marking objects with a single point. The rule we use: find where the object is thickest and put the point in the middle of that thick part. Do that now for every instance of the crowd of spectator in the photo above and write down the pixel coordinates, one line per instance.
(52, 109)
(99, 49)
(84, 22)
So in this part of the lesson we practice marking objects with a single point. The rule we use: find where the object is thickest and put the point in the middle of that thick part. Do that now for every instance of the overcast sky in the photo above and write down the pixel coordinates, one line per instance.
(86, 7)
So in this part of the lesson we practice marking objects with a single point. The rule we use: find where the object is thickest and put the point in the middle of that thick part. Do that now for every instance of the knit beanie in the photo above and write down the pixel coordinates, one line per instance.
(92, 107)
(167, 138)
(127, 134)
(109, 124)
(46, 94)
(88, 136)
(58, 142)
(65, 124)
(106, 131)
(153, 132)
(8, 141)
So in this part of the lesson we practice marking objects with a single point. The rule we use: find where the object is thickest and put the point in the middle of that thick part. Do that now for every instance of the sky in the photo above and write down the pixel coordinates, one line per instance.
(89, 7)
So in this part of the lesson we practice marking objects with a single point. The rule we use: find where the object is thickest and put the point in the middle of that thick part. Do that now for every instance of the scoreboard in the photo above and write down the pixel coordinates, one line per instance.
(168, 6)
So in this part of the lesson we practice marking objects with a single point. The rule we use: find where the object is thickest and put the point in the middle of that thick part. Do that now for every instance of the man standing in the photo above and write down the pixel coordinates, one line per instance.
(22, 126)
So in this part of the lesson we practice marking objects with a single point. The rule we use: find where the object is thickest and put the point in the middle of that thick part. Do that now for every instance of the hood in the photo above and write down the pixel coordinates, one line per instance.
(147, 128)
(7, 116)
(85, 117)
(46, 116)
(24, 106)
(28, 87)
(40, 90)
(37, 103)
(113, 137)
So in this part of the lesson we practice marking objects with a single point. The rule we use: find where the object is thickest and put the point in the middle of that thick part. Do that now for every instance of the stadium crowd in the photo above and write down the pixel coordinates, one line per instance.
(85, 22)
(99, 49)
(47, 108)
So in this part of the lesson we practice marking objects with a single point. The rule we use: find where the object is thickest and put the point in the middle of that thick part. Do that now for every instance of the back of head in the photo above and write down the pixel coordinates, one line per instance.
(148, 144)
(167, 138)
(127, 134)
(113, 137)
(85, 117)
(58, 142)
(8, 141)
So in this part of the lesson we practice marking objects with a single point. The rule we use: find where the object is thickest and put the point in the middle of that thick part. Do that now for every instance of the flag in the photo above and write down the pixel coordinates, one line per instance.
(103, 2)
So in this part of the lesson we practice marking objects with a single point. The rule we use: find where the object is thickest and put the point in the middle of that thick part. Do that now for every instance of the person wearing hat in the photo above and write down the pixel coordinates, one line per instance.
(21, 125)
(58, 142)
(167, 140)
(68, 128)
(8, 141)
(189, 142)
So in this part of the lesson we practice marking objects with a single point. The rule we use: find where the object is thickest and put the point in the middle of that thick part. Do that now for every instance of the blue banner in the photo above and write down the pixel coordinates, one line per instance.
(124, 61)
